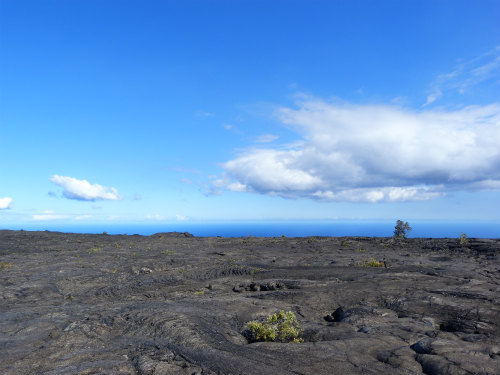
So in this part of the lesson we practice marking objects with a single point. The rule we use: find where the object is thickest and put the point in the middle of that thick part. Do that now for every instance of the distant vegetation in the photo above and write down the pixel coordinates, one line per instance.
(401, 229)
(463, 240)
(371, 263)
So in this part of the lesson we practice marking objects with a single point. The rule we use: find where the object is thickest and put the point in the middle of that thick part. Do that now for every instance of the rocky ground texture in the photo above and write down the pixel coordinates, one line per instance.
(176, 304)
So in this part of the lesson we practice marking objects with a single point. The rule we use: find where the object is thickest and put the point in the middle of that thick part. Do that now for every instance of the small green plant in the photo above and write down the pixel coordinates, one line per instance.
(345, 243)
(371, 263)
(463, 240)
(401, 229)
(361, 250)
(255, 270)
(5, 265)
(282, 327)
(199, 293)
(94, 250)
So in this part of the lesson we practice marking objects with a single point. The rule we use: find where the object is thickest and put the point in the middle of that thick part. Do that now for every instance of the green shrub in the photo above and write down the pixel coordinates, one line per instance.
(93, 250)
(5, 265)
(463, 240)
(371, 263)
(401, 228)
(282, 327)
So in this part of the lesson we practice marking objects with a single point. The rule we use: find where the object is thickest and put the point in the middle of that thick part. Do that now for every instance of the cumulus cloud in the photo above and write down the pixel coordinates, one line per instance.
(84, 191)
(373, 153)
(5, 203)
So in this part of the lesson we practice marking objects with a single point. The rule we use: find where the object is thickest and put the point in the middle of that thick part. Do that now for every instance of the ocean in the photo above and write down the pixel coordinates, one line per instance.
(433, 229)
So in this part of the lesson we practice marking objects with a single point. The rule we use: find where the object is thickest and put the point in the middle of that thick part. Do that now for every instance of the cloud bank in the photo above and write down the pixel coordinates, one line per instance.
(5, 203)
(82, 190)
(373, 153)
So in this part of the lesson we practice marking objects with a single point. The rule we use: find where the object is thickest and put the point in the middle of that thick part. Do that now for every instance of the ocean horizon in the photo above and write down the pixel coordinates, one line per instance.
(432, 229)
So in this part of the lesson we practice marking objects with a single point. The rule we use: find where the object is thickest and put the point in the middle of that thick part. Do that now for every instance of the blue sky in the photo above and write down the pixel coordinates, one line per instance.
(151, 111)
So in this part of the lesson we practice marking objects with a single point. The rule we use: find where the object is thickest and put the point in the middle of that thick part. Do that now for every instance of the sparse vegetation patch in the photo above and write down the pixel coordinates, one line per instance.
(281, 327)
(5, 265)
(371, 263)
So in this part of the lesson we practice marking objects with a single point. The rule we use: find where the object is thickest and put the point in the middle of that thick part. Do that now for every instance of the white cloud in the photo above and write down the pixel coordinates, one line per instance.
(180, 217)
(83, 190)
(431, 98)
(5, 203)
(43, 217)
(393, 194)
(373, 153)
(236, 186)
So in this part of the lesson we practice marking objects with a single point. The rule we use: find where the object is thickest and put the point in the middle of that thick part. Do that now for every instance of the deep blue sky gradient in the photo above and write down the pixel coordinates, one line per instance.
(153, 97)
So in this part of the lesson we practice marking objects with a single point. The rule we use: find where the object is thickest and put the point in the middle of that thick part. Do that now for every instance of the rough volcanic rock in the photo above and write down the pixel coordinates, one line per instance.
(167, 304)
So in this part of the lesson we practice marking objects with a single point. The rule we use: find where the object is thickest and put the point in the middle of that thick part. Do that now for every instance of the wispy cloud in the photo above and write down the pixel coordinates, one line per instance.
(5, 203)
(84, 217)
(267, 138)
(372, 153)
(84, 191)
(53, 216)
(156, 217)
(50, 216)
(204, 114)
(232, 128)
(467, 75)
